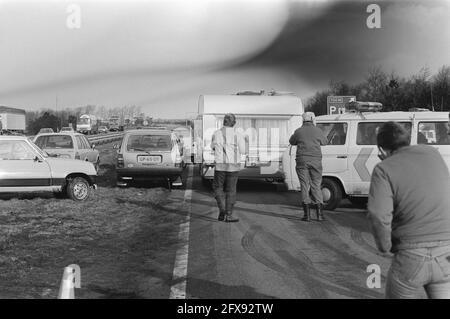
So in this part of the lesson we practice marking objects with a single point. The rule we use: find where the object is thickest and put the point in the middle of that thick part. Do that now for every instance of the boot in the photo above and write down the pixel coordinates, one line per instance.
(319, 213)
(221, 217)
(306, 213)
(229, 218)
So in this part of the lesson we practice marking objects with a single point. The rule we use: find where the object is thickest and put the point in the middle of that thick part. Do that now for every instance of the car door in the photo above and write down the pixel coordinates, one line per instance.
(363, 154)
(435, 133)
(21, 167)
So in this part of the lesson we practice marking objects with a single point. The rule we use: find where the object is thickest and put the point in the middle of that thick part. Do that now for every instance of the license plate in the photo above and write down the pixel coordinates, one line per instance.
(149, 159)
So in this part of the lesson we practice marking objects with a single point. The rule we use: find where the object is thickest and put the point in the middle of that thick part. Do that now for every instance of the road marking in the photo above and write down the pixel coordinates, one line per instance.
(360, 164)
(179, 277)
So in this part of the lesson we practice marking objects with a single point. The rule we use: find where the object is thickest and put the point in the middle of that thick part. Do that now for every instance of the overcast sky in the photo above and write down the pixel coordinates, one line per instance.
(162, 55)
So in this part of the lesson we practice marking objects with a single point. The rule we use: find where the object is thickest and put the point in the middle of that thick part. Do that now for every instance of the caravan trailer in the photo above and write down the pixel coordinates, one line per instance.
(266, 120)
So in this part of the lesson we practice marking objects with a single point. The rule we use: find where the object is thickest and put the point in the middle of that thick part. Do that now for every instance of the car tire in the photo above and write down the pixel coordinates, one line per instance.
(359, 202)
(332, 194)
(78, 189)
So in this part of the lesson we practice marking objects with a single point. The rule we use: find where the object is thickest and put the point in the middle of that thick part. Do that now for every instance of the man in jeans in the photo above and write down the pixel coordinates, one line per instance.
(409, 213)
(228, 146)
(308, 139)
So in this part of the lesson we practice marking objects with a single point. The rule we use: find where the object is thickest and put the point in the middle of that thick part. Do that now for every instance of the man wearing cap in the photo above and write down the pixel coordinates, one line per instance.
(308, 139)
(228, 146)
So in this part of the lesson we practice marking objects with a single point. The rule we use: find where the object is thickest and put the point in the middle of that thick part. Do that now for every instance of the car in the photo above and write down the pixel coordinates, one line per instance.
(67, 129)
(147, 154)
(46, 130)
(102, 129)
(68, 145)
(25, 168)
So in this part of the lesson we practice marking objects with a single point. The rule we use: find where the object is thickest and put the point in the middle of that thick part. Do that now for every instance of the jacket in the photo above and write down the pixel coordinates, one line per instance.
(308, 139)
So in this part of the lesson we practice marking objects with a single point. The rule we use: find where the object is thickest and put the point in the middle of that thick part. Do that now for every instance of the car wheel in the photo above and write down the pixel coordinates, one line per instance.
(78, 189)
(332, 193)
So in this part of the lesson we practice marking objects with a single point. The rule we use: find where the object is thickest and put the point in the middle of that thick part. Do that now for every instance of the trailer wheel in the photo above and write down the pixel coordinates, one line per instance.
(332, 193)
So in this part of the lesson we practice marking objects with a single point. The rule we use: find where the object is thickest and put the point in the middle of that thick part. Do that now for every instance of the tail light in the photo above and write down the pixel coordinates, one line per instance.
(120, 163)
(178, 161)
(77, 156)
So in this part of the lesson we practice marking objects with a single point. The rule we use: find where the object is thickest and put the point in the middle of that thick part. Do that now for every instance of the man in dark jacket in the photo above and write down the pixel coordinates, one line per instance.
(308, 139)
(409, 213)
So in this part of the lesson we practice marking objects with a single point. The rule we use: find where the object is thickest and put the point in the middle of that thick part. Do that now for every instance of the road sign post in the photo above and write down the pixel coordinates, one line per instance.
(336, 104)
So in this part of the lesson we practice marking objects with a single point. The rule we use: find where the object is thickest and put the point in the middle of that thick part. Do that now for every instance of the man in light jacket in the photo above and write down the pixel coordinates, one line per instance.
(228, 146)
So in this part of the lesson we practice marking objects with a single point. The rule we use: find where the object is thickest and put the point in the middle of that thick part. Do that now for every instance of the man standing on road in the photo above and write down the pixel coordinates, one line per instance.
(228, 146)
(308, 139)
(409, 213)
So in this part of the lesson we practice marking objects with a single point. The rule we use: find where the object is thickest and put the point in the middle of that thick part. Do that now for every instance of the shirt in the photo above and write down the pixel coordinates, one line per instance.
(409, 199)
(308, 139)
(228, 146)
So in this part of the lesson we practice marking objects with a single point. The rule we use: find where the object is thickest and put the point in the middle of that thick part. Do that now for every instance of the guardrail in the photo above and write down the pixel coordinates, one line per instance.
(104, 138)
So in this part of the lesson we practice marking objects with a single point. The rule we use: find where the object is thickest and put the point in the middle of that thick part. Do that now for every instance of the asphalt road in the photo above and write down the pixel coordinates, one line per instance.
(271, 253)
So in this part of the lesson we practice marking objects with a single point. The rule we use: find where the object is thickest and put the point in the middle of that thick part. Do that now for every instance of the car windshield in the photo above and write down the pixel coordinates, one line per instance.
(66, 129)
(83, 120)
(145, 143)
(55, 141)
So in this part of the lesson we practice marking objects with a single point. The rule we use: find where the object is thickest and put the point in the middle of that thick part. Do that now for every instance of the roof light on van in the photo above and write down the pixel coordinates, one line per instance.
(357, 106)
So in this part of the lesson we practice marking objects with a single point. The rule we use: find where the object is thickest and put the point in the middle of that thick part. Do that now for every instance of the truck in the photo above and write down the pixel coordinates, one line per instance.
(12, 120)
(114, 123)
(266, 120)
(87, 124)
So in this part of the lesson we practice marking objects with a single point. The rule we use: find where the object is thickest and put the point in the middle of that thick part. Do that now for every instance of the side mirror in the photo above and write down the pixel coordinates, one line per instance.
(37, 159)
(93, 146)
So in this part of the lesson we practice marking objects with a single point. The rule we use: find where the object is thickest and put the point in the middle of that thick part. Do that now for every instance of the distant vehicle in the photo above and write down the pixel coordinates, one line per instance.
(68, 145)
(24, 167)
(267, 120)
(103, 129)
(46, 130)
(67, 129)
(12, 120)
(114, 123)
(145, 154)
(87, 124)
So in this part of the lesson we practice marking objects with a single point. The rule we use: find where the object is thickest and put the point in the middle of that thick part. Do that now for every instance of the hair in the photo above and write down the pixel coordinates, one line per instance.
(392, 136)
(229, 120)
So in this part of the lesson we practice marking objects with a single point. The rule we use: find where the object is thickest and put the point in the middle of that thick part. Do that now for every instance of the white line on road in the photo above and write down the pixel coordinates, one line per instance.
(179, 278)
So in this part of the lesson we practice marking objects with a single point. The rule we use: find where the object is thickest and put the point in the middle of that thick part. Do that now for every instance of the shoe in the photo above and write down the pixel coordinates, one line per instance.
(230, 219)
(306, 213)
(319, 212)
(221, 217)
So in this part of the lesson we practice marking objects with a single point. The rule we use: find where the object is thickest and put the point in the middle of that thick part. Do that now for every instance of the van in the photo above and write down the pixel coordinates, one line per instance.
(351, 153)
(267, 121)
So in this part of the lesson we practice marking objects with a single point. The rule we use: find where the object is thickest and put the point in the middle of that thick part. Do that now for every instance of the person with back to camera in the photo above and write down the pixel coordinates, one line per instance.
(408, 211)
(228, 145)
(308, 139)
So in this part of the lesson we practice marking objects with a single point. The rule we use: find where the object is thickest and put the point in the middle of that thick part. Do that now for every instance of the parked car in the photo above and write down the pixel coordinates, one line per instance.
(46, 130)
(103, 129)
(67, 129)
(68, 145)
(24, 167)
(146, 154)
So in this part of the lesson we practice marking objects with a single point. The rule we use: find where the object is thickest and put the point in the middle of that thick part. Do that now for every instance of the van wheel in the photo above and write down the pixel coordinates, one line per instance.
(332, 194)
(78, 189)
(360, 202)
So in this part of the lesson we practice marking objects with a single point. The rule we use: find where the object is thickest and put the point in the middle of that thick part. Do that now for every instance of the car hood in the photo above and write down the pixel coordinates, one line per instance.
(68, 166)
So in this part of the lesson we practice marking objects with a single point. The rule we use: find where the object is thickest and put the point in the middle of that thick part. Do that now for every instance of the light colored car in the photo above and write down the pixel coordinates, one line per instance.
(103, 129)
(67, 129)
(146, 154)
(68, 145)
(46, 130)
(24, 167)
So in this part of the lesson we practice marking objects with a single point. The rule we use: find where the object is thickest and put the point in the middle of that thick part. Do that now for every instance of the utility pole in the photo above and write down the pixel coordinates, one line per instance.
(432, 104)
(56, 107)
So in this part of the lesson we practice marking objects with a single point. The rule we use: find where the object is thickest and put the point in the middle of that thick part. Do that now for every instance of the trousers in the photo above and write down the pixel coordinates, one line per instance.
(224, 186)
(309, 172)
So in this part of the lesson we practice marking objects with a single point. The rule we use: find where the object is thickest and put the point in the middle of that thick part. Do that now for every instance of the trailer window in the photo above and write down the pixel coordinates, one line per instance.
(367, 132)
(433, 133)
(336, 133)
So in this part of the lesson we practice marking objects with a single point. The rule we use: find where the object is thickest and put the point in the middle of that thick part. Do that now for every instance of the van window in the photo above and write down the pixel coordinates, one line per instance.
(367, 132)
(434, 133)
(55, 141)
(336, 133)
(142, 143)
